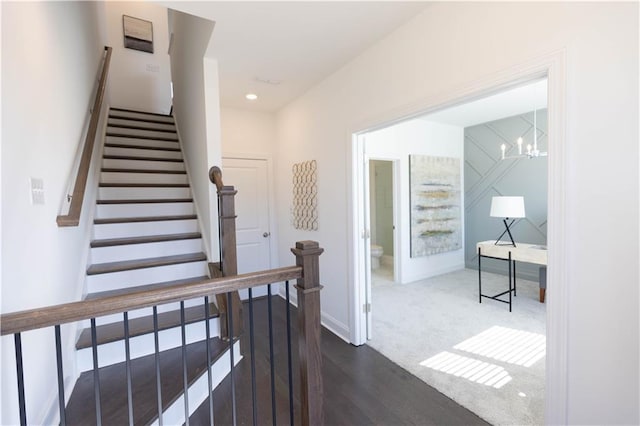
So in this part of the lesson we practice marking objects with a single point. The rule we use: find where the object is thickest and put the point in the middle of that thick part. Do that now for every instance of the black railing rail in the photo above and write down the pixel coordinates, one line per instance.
(305, 272)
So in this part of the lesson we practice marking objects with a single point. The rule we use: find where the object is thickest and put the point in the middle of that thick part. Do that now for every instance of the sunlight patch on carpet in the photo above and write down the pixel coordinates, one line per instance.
(507, 345)
(471, 369)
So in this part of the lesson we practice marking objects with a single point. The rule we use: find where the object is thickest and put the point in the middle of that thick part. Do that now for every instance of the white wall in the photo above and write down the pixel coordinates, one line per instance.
(418, 137)
(451, 46)
(247, 132)
(197, 113)
(139, 80)
(48, 78)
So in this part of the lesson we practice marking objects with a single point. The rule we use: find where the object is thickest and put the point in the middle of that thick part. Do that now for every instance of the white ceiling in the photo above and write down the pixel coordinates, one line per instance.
(500, 105)
(297, 44)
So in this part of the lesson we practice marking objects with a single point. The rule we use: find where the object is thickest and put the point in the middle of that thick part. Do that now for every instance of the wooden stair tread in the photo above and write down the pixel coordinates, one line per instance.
(143, 219)
(139, 112)
(150, 171)
(109, 242)
(134, 127)
(113, 385)
(148, 148)
(128, 290)
(146, 201)
(134, 136)
(138, 158)
(118, 115)
(128, 265)
(114, 332)
(142, 185)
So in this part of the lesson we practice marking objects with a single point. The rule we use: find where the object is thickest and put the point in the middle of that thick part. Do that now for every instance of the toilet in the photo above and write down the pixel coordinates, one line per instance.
(376, 254)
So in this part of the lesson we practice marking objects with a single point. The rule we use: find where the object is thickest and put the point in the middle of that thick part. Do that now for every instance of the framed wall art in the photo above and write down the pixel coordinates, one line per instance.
(436, 225)
(138, 34)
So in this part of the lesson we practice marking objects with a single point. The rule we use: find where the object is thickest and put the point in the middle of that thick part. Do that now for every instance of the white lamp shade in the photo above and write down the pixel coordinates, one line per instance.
(507, 207)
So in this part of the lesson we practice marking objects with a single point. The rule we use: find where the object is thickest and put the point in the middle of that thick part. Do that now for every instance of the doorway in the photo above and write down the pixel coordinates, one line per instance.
(249, 176)
(499, 175)
(381, 208)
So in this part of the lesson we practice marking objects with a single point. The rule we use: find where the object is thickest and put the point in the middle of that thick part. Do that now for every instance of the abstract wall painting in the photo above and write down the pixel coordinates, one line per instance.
(305, 196)
(436, 225)
(138, 34)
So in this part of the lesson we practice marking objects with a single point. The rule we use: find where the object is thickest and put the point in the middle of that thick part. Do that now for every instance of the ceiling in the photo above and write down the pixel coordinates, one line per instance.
(508, 103)
(279, 50)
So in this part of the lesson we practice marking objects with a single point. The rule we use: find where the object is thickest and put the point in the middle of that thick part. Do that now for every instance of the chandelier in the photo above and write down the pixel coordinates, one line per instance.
(532, 151)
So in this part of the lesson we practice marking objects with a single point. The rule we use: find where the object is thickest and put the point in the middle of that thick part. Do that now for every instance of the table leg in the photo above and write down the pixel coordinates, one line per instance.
(479, 277)
(510, 281)
(543, 292)
(514, 279)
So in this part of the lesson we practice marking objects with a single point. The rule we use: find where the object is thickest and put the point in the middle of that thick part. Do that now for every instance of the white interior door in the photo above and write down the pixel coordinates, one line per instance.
(253, 236)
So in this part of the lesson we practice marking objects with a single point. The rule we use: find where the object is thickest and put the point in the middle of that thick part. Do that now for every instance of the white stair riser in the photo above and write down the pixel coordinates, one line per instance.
(137, 251)
(136, 277)
(142, 133)
(139, 229)
(105, 211)
(141, 115)
(123, 177)
(142, 193)
(149, 153)
(138, 123)
(143, 312)
(139, 346)
(109, 163)
(142, 142)
(198, 390)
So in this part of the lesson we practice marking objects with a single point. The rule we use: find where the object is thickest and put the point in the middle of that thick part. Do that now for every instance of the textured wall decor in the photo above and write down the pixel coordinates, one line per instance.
(305, 192)
(435, 205)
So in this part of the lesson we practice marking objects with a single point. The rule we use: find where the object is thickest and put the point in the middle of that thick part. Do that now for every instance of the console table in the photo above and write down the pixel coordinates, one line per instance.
(522, 252)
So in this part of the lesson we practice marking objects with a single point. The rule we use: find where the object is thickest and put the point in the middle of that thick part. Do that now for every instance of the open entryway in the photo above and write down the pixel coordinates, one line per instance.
(451, 165)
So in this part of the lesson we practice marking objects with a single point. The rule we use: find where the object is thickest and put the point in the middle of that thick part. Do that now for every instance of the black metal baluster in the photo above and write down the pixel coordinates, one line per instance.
(184, 364)
(271, 361)
(232, 375)
(61, 401)
(289, 359)
(96, 374)
(21, 401)
(253, 360)
(127, 354)
(209, 378)
(157, 359)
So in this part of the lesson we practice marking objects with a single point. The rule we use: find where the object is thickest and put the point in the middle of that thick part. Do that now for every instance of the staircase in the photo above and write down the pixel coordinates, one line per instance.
(145, 235)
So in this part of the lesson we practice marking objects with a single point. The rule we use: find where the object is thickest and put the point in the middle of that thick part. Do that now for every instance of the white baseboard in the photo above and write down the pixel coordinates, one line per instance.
(333, 325)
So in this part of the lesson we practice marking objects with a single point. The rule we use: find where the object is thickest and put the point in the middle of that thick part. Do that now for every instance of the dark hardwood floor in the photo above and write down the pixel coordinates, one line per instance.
(361, 387)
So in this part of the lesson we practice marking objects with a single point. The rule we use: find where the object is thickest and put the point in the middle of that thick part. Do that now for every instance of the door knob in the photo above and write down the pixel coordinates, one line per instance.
(266, 234)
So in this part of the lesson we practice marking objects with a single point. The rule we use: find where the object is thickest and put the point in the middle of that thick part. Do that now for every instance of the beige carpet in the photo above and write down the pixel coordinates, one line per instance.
(485, 358)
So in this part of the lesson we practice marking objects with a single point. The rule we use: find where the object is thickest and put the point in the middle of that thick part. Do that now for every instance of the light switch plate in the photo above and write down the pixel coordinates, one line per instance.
(37, 191)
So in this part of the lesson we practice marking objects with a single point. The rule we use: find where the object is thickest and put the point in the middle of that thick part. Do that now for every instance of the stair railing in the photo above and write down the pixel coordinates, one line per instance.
(72, 218)
(306, 272)
(228, 264)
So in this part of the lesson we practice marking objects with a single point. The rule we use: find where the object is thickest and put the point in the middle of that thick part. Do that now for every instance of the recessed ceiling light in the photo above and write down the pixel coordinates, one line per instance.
(251, 96)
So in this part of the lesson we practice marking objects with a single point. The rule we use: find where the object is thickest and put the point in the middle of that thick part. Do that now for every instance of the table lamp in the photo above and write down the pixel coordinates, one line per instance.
(507, 208)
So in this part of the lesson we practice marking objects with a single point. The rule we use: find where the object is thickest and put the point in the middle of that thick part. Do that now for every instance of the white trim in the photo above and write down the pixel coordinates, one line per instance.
(330, 323)
(206, 240)
(553, 66)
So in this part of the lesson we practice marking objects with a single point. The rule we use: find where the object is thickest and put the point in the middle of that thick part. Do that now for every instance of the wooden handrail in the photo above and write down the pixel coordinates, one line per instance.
(17, 322)
(77, 197)
(215, 176)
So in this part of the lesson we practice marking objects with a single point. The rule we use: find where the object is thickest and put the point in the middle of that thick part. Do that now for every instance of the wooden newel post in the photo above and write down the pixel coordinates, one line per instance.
(228, 253)
(311, 394)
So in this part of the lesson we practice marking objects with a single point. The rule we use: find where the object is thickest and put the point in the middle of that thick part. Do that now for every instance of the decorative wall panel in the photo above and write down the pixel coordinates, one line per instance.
(436, 225)
(305, 196)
